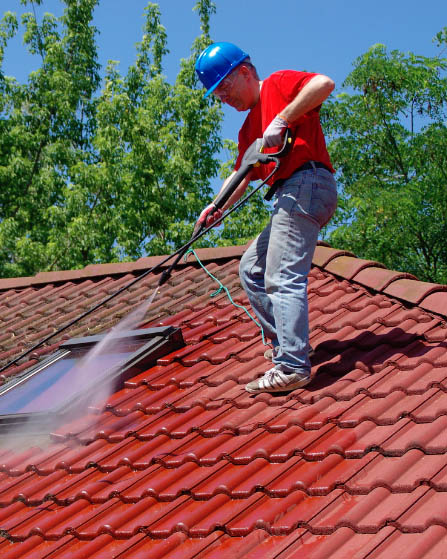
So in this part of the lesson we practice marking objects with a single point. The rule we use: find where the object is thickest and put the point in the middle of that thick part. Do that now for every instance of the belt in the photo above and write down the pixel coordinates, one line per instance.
(309, 165)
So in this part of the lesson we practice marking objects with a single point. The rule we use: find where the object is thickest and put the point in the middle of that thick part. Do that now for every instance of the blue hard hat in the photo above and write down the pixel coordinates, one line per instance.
(216, 62)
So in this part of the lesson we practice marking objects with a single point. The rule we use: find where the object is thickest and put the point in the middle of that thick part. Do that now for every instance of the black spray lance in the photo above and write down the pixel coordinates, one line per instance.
(253, 157)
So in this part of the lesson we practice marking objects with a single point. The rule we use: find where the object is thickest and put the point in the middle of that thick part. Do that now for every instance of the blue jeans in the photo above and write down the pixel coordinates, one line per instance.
(275, 267)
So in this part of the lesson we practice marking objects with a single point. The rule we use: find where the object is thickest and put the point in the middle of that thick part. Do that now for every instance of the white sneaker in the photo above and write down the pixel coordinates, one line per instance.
(275, 380)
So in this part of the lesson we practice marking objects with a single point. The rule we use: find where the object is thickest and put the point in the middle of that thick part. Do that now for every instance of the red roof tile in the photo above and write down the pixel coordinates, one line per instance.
(412, 290)
(182, 462)
(348, 267)
(435, 302)
(378, 278)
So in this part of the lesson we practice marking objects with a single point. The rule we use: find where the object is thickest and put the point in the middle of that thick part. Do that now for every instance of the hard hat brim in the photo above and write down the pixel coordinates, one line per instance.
(235, 65)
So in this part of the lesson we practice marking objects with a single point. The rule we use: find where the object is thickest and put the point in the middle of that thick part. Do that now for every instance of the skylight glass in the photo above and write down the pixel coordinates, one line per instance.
(78, 371)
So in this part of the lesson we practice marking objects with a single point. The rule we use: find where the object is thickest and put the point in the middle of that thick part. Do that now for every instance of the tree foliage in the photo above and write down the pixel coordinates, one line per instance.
(94, 171)
(388, 141)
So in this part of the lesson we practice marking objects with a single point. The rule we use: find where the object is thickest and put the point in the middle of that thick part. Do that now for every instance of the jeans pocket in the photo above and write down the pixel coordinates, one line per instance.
(324, 202)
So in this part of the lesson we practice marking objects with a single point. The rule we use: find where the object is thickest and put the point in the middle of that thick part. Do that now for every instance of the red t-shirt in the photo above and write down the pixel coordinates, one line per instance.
(277, 91)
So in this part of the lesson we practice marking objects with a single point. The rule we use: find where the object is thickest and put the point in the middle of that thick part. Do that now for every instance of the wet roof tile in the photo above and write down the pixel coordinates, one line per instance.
(182, 462)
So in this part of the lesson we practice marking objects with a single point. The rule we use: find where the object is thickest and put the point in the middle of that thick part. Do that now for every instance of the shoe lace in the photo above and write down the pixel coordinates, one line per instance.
(270, 377)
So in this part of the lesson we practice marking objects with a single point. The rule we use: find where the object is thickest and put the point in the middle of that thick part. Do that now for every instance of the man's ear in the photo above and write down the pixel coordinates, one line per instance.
(244, 71)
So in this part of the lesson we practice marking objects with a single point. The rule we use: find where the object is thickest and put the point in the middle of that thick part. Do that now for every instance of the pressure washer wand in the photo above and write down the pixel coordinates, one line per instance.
(253, 157)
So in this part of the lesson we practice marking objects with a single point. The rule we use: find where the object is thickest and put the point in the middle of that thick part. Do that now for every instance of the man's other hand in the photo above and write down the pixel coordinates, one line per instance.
(274, 133)
(208, 216)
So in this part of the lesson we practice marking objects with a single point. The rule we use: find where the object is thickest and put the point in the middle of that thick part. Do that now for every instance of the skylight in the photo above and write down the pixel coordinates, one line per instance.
(78, 371)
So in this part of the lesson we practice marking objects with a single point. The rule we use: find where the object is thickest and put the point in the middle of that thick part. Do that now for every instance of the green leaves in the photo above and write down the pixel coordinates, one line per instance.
(388, 141)
(98, 174)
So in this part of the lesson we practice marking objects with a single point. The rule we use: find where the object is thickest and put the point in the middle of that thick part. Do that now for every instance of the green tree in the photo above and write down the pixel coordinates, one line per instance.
(388, 141)
(98, 175)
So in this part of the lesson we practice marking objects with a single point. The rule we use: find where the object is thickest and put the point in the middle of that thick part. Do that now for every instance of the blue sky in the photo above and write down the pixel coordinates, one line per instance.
(324, 36)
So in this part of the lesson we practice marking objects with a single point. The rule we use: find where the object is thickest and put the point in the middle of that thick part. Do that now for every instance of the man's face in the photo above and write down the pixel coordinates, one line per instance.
(237, 90)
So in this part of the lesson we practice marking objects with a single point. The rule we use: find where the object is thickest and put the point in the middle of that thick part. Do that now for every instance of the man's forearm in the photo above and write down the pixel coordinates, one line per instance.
(238, 192)
(312, 95)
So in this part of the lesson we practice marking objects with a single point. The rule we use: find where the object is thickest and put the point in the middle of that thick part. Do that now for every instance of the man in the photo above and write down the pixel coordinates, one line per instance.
(275, 267)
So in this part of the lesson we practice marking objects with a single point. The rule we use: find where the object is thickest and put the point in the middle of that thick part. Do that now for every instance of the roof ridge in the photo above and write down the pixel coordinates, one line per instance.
(375, 276)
